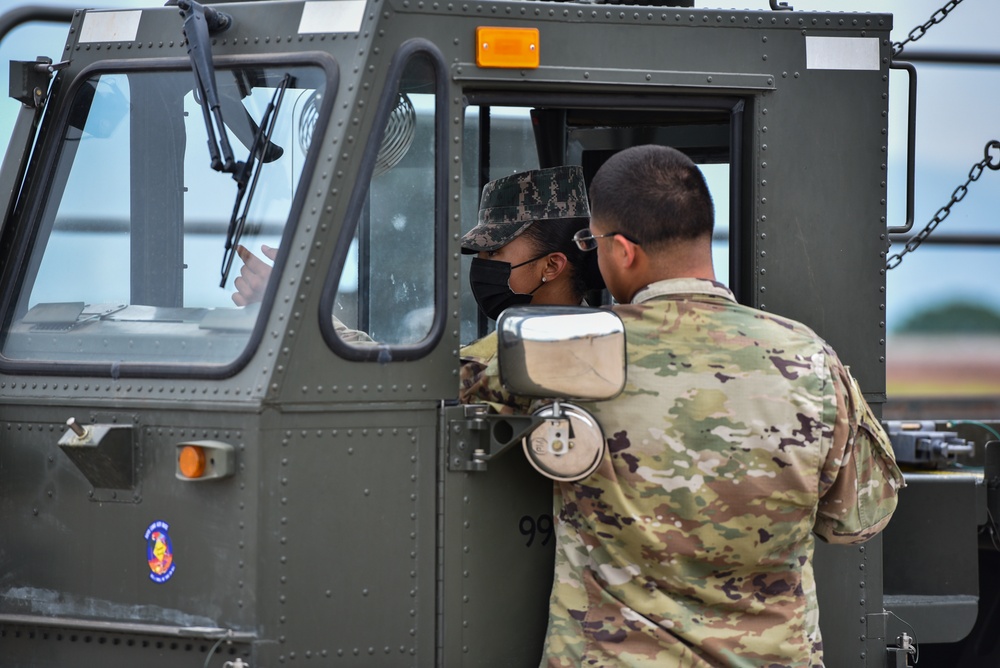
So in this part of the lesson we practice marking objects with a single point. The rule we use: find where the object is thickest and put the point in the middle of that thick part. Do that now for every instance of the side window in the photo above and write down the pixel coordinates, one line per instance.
(705, 139)
(386, 292)
(501, 140)
(505, 135)
(717, 176)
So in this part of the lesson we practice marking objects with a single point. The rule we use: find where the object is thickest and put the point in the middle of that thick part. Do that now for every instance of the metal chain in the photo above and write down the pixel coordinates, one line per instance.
(921, 30)
(957, 196)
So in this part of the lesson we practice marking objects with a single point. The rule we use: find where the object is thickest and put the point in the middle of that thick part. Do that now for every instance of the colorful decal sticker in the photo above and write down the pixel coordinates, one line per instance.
(159, 552)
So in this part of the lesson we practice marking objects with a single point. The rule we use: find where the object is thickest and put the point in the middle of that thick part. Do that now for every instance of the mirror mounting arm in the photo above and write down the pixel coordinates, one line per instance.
(475, 437)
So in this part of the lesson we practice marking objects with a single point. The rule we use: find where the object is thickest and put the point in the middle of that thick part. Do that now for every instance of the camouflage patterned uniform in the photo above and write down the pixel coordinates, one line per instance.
(510, 204)
(739, 434)
(479, 379)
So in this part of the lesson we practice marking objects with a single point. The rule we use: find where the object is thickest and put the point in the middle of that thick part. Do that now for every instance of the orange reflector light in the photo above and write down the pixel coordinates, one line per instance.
(507, 47)
(191, 461)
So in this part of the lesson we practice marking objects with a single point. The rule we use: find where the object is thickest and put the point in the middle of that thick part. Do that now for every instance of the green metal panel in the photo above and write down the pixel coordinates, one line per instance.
(497, 558)
(347, 554)
(819, 190)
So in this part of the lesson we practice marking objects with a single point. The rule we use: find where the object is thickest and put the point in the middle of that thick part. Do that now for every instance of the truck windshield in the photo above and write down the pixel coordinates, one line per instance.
(126, 247)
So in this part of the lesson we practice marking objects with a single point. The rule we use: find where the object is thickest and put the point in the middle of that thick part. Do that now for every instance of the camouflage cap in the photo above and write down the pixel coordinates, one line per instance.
(511, 203)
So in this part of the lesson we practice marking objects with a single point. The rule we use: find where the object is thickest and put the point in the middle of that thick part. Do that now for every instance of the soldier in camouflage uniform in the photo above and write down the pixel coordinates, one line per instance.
(739, 435)
(526, 254)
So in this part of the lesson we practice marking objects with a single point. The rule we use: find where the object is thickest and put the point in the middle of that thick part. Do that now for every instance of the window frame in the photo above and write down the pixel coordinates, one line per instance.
(359, 196)
(740, 135)
(32, 203)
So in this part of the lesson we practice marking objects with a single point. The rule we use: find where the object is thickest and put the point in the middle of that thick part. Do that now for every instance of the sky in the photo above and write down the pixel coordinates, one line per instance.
(956, 117)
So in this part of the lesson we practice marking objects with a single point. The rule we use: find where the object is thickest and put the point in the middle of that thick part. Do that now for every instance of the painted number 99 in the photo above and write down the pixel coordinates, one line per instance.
(531, 527)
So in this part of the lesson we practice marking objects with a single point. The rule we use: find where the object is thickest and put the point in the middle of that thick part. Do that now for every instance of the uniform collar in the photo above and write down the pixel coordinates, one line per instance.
(683, 286)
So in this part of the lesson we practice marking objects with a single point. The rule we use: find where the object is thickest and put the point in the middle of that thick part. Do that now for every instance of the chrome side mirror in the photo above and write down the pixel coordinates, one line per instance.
(564, 352)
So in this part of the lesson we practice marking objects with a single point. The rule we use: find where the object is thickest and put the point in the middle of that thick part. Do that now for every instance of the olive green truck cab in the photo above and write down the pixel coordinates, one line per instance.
(185, 481)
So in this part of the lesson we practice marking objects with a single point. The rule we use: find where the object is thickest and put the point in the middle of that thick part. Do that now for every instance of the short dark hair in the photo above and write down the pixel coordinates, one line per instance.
(556, 236)
(654, 194)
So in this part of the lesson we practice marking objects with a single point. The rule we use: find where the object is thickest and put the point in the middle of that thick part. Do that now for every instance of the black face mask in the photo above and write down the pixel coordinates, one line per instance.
(490, 280)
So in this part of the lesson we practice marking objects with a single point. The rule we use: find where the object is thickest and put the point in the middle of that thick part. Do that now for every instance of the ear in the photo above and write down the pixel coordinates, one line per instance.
(554, 265)
(626, 252)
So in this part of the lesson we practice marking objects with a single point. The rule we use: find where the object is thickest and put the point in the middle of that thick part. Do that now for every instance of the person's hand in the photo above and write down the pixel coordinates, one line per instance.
(252, 281)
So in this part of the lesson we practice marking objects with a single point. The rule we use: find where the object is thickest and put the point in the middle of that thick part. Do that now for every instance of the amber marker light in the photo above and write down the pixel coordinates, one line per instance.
(191, 461)
(507, 47)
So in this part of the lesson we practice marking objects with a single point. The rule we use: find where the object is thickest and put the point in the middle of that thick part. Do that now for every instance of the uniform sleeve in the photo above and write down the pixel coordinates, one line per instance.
(860, 478)
(348, 335)
(480, 383)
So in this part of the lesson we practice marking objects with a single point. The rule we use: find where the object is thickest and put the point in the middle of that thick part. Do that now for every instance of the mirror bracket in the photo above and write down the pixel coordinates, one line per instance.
(29, 81)
(475, 436)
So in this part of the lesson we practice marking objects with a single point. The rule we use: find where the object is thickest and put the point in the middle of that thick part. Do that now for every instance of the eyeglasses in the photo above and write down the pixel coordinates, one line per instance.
(586, 241)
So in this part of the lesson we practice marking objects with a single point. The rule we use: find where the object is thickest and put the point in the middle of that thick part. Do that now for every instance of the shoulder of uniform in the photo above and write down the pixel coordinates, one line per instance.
(480, 349)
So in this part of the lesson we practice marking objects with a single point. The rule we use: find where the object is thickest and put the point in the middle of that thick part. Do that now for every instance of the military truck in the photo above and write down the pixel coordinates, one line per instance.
(188, 482)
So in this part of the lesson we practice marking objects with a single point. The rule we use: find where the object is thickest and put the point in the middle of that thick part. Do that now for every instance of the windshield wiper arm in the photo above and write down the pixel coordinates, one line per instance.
(247, 173)
(199, 23)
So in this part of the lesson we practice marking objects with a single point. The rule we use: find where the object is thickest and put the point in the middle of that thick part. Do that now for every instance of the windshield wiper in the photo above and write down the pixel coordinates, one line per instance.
(199, 23)
(247, 173)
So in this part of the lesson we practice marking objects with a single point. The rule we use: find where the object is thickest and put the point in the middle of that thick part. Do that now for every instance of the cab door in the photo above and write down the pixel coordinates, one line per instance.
(498, 538)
